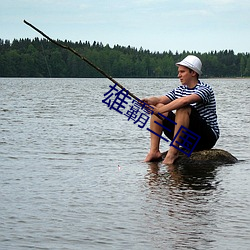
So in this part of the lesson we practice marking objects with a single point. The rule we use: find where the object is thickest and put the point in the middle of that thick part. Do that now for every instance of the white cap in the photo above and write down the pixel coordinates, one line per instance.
(191, 62)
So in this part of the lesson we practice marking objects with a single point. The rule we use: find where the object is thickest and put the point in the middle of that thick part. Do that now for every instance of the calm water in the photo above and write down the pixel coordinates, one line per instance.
(72, 175)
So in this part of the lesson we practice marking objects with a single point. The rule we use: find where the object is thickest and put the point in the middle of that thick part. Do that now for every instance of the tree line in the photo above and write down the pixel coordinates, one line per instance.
(41, 58)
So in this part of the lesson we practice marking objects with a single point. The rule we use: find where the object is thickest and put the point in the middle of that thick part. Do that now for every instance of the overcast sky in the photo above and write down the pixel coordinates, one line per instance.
(157, 25)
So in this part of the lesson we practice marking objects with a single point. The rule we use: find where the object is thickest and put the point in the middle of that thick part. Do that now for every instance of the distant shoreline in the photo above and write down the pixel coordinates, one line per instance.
(41, 58)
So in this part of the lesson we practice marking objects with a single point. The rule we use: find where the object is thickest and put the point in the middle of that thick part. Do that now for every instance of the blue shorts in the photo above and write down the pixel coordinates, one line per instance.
(196, 125)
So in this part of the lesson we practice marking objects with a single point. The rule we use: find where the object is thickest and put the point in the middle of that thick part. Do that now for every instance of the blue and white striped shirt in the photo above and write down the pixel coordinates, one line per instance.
(206, 108)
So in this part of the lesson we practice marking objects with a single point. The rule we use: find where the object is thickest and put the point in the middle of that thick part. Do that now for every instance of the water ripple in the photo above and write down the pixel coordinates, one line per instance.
(72, 175)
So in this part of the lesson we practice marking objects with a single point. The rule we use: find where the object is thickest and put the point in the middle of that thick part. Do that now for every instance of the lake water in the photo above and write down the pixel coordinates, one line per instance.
(72, 174)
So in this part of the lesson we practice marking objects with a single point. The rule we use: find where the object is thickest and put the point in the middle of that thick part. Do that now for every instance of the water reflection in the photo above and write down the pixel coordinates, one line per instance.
(183, 198)
(183, 177)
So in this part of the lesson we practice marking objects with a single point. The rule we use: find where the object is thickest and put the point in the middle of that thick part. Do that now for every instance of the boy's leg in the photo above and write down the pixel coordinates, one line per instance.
(154, 152)
(182, 119)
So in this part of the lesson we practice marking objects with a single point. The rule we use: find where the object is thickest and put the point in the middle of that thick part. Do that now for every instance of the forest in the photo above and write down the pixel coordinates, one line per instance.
(41, 58)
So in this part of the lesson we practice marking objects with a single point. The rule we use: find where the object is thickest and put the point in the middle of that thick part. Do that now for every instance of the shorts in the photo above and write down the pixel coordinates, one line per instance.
(196, 125)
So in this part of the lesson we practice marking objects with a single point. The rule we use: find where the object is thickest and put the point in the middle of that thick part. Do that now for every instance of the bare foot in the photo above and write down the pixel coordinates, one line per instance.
(170, 158)
(153, 156)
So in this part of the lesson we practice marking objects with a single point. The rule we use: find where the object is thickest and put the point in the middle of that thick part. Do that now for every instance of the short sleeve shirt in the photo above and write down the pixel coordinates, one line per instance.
(206, 108)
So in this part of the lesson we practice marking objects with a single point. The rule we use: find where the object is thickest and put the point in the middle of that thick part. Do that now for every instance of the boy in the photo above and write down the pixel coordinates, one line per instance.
(195, 107)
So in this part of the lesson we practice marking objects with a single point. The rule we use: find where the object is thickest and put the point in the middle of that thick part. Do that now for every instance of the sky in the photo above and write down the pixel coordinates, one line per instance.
(155, 25)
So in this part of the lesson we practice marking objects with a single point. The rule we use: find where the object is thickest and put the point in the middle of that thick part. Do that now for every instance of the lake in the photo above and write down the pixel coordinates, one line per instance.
(72, 173)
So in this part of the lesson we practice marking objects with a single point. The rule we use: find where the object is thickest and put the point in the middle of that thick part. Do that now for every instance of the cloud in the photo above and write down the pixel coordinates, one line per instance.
(222, 2)
(149, 2)
(225, 5)
(83, 6)
(152, 24)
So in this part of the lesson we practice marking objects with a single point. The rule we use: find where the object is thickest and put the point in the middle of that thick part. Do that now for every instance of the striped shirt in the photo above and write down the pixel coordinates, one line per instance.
(206, 108)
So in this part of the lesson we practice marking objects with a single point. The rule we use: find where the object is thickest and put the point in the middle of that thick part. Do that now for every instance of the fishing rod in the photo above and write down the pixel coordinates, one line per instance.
(82, 57)
(87, 61)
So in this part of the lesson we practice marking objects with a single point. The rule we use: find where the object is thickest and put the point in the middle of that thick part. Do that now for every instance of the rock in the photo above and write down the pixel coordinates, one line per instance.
(213, 157)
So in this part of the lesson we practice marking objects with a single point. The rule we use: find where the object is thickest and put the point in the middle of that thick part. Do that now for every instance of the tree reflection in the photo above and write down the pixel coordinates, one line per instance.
(183, 198)
(183, 177)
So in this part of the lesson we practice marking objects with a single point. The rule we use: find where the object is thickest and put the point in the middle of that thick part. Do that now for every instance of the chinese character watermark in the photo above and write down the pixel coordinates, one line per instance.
(189, 140)
(139, 113)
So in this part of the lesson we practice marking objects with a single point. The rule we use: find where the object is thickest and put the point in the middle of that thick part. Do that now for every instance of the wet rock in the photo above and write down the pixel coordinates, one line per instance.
(206, 157)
